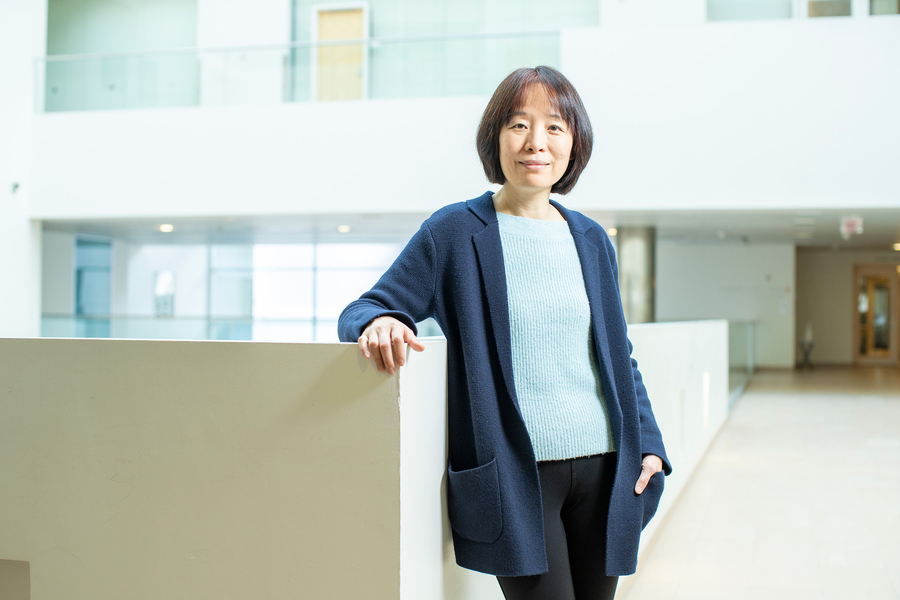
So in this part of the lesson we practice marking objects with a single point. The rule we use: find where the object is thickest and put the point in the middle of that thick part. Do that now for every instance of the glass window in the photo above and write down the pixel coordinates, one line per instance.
(338, 288)
(283, 294)
(884, 7)
(92, 277)
(231, 294)
(232, 256)
(331, 256)
(742, 10)
(282, 256)
(326, 331)
(292, 331)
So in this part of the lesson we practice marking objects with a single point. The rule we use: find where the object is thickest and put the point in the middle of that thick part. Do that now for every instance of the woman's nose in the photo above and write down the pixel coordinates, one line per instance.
(536, 141)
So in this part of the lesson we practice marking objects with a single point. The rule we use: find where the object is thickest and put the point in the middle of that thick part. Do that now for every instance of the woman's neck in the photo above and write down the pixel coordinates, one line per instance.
(531, 206)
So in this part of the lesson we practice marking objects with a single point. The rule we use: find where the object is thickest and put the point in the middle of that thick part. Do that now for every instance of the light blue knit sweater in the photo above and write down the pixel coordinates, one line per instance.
(554, 363)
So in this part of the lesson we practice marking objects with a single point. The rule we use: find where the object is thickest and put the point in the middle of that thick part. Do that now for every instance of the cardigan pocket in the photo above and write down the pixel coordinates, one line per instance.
(651, 495)
(473, 503)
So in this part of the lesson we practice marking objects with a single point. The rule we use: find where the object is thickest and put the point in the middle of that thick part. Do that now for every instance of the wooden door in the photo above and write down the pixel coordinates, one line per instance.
(341, 68)
(875, 323)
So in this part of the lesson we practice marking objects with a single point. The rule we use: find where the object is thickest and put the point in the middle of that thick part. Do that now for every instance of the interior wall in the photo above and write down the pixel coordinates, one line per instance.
(826, 294)
(639, 13)
(22, 37)
(748, 114)
(731, 281)
(87, 26)
(699, 117)
(57, 273)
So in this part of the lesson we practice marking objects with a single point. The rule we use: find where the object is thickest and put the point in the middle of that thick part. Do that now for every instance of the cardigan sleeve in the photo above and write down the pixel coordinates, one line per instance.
(405, 292)
(651, 436)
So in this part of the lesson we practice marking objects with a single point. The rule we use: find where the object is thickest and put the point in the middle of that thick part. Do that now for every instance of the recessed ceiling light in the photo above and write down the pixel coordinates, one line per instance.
(612, 231)
(167, 228)
(343, 229)
(897, 247)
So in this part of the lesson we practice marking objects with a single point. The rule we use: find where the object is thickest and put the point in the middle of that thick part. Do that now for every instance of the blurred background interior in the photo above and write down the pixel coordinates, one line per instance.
(194, 169)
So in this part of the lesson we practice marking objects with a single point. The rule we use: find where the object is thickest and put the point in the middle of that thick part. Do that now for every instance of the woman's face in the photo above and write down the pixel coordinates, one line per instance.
(535, 145)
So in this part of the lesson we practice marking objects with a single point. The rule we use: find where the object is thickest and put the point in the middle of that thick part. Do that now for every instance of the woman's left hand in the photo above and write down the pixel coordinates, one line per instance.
(649, 466)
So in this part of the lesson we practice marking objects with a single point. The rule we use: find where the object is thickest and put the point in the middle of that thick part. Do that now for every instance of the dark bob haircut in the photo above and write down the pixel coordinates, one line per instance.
(510, 97)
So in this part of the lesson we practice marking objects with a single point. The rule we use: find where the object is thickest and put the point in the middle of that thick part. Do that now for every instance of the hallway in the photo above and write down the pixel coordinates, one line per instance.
(798, 497)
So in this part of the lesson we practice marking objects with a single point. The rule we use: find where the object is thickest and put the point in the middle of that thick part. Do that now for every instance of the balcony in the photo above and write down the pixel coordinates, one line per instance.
(370, 68)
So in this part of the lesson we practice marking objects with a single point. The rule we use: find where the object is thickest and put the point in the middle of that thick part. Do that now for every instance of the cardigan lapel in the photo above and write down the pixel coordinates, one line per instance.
(591, 257)
(489, 250)
(493, 276)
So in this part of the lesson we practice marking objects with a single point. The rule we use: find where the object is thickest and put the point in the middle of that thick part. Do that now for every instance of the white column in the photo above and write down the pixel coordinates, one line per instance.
(636, 254)
(23, 25)
(801, 9)
(861, 8)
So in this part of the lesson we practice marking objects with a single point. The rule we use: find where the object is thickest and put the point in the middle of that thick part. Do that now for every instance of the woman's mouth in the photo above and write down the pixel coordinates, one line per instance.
(534, 164)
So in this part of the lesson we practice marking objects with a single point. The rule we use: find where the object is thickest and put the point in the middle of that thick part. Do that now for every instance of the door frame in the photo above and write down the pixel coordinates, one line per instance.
(314, 36)
(892, 272)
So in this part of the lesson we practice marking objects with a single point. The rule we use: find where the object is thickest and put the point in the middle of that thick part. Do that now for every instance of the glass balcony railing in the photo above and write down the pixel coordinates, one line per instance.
(200, 328)
(741, 356)
(451, 65)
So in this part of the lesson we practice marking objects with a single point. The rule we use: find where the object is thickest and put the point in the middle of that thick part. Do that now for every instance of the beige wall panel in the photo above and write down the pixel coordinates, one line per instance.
(144, 469)
(826, 294)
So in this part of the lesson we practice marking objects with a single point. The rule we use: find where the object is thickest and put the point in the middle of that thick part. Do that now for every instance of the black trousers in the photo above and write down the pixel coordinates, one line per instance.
(575, 494)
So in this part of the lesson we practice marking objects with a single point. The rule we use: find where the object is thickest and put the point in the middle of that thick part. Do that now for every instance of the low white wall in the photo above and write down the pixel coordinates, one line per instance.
(685, 369)
(147, 469)
(251, 160)
(140, 469)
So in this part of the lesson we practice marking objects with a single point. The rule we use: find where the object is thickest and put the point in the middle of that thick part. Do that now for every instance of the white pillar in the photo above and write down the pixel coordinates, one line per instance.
(23, 25)
(801, 9)
(636, 255)
(861, 8)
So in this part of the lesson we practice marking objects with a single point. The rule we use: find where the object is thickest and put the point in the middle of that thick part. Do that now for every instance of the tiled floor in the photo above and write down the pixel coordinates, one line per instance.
(798, 497)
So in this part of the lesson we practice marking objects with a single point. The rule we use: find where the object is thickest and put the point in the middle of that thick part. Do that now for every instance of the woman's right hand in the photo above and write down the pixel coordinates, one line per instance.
(385, 340)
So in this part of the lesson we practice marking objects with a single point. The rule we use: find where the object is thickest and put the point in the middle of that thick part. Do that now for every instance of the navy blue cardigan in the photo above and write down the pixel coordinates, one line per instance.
(452, 270)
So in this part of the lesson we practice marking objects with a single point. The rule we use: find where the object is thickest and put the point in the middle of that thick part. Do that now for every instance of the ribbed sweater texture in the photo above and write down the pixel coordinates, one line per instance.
(555, 369)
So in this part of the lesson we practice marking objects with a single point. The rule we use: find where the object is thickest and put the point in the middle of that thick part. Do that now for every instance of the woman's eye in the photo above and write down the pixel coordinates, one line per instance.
(518, 126)
(556, 128)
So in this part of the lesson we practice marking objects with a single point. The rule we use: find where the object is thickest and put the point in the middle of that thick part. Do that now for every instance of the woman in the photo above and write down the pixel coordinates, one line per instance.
(556, 461)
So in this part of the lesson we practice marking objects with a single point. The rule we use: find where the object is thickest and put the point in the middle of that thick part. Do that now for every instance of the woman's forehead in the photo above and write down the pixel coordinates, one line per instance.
(535, 96)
